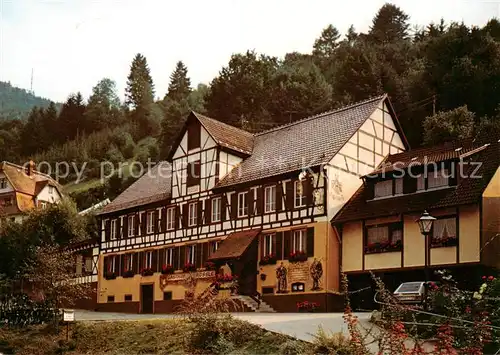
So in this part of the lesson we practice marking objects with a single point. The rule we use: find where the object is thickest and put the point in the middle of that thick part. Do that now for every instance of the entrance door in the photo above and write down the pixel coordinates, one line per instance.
(147, 298)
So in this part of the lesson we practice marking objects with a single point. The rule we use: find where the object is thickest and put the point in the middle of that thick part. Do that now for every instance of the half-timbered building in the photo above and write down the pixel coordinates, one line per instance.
(258, 205)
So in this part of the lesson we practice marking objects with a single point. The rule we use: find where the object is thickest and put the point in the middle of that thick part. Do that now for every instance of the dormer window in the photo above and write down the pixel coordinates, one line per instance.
(388, 188)
(3, 183)
(433, 180)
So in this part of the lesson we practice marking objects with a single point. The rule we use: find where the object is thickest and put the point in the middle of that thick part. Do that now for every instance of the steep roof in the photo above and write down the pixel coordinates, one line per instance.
(235, 244)
(153, 186)
(27, 184)
(468, 190)
(226, 135)
(309, 142)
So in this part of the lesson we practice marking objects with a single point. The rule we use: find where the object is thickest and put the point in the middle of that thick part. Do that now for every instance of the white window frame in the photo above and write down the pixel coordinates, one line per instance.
(3, 183)
(170, 223)
(192, 214)
(169, 256)
(130, 261)
(299, 196)
(113, 229)
(270, 199)
(131, 222)
(112, 268)
(269, 244)
(214, 246)
(191, 254)
(242, 206)
(43, 205)
(299, 241)
(150, 225)
(148, 259)
(51, 189)
(216, 209)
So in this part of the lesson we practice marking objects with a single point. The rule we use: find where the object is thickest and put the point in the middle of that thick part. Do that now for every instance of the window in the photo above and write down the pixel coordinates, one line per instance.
(169, 256)
(299, 240)
(384, 238)
(191, 254)
(216, 209)
(51, 189)
(194, 135)
(398, 186)
(167, 295)
(8, 202)
(242, 204)
(128, 298)
(129, 262)
(192, 214)
(131, 220)
(270, 199)
(383, 188)
(444, 229)
(111, 299)
(268, 247)
(214, 246)
(300, 198)
(150, 222)
(267, 290)
(420, 182)
(437, 178)
(87, 264)
(148, 259)
(3, 183)
(112, 262)
(170, 218)
(193, 173)
(113, 229)
(298, 287)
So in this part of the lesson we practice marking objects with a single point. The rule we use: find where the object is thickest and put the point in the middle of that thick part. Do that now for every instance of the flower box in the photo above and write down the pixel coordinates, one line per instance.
(444, 242)
(268, 260)
(209, 265)
(307, 306)
(110, 276)
(167, 269)
(147, 272)
(226, 278)
(128, 273)
(384, 247)
(188, 267)
(297, 256)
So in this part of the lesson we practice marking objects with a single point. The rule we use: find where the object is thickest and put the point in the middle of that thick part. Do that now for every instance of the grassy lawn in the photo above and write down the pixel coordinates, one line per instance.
(172, 336)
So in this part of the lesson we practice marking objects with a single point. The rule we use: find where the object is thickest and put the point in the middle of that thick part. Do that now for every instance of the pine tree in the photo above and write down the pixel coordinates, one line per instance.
(103, 109)
(351, 35)
(33, 133)
(325, 45)
(180, 85)
(140, 88)
(389, 25)
(71, 118)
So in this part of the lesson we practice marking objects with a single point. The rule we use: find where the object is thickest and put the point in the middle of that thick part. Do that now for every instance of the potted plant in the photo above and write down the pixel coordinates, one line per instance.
(209, 265)
(307, 306)
(268, 259)
(147, 271)
(188, 267)
(297, 256)
(167, 269)
(110, 275)
(128, 273)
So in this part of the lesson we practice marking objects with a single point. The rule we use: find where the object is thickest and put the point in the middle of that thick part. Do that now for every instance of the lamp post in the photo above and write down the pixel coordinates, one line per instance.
(425, 223)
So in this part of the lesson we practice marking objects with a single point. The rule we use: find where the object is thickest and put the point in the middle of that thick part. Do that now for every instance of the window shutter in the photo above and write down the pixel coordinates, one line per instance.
(118, 228)
(310, 241)
(286, 244)
(141, 255)
(308, 190)
(156, 221)
(261, 242)
(136, 224)
(105, 264)
(223, 205)
(175, 259)
(125, 226)
(208, 211)
(161, 258)
(200, 212)
(182, 256)
(177, 217)
(144, 222)
(234, 205)
(205, 253)
(260, 200)
(185, 210)
(163, 223)
(247, 202)
(107, 228)
(197, 171)
(279, 197)
(279, 246)
(135, 264)
(154, 260)
(290, 197)
(199, 255)
(121, 270)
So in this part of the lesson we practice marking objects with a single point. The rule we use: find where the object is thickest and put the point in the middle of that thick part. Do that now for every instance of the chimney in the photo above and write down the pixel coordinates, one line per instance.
(30, 168)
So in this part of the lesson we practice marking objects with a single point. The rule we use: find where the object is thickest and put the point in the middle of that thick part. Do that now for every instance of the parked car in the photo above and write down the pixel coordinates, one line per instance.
(411, 292)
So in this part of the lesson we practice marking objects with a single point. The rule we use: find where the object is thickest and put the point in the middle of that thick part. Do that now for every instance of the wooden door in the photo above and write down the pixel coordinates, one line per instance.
(147, 298)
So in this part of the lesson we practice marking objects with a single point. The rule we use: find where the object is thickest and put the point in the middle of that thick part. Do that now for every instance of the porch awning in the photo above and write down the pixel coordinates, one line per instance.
(235, 245)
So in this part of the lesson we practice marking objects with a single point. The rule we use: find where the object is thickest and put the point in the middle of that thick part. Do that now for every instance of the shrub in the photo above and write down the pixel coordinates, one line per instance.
(332, 343)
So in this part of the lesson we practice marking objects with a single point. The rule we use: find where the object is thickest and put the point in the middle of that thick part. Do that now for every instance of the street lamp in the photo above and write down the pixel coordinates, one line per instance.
(425, 223)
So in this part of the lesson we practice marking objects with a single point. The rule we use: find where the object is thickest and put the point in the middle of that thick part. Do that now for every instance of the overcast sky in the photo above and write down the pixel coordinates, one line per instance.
(74, 43)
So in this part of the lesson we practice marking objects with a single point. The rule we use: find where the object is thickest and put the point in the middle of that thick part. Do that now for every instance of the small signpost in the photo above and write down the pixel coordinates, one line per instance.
(68, 317)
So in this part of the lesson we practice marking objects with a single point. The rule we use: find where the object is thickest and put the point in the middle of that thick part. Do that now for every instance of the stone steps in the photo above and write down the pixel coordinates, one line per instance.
(253, 305)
